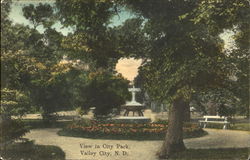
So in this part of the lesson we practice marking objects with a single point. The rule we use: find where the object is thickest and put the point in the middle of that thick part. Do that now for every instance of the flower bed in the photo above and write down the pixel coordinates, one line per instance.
(111, 130)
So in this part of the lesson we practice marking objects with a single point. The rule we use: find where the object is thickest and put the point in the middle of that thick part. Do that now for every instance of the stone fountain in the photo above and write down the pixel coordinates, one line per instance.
(133, 106)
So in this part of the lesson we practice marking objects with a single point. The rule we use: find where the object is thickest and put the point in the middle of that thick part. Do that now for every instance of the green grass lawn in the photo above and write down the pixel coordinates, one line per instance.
(38, 123)
(240, 126)
(213, 154)
(29, 151)
(235, 126)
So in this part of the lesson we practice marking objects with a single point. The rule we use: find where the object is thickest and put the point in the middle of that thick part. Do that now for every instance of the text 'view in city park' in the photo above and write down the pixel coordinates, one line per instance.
(125, 79)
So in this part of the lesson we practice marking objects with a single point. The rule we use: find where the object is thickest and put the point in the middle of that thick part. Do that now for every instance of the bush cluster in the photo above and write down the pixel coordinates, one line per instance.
(12, 130)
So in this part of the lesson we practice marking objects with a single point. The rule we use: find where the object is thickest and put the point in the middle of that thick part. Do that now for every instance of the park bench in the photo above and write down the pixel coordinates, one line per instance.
(216, 120)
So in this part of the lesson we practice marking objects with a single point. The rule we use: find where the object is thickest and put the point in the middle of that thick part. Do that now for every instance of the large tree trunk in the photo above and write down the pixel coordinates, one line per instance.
(174, 138)
(187, 113)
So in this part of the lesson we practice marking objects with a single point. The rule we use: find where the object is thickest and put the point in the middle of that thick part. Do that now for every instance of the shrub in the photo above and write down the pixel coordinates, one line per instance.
(30, 151)
(105, 92)
(13, 103)
(12, 130)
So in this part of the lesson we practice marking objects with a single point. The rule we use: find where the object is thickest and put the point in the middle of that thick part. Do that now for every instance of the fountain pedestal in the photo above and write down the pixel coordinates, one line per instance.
(133, 106)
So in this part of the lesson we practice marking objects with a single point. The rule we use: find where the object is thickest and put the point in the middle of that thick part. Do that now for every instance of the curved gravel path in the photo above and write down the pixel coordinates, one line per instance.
(87, 149)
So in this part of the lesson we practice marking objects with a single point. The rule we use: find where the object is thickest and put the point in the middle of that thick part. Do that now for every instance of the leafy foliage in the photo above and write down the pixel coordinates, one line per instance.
(13, 103)
(88, 15)
(39, 15)
(131, 38)
(185, 53)
(92, 37)
(224, 102)
(13, 130)
(48, 81)
(105, 92)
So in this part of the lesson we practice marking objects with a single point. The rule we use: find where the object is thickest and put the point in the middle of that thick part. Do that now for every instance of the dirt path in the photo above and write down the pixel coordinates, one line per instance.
(87, 149)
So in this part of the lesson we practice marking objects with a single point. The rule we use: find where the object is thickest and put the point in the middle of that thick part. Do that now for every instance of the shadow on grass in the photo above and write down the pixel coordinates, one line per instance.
(213, 154)
(30, 151)
(138, 137)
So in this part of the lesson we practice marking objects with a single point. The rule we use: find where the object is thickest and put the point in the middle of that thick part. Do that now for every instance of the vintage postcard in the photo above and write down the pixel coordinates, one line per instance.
(125, 80)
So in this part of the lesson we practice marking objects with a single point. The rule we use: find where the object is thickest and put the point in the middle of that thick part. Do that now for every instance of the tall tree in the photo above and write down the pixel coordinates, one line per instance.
(186, 53)
(14, 101)
(48, 83)
(15, 66)
(31, 61)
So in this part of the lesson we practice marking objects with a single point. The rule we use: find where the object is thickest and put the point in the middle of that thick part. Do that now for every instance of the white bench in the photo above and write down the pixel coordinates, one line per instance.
(214, 119)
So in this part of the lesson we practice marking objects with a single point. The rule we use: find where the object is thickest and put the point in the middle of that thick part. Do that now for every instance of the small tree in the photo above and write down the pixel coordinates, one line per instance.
(105, 92)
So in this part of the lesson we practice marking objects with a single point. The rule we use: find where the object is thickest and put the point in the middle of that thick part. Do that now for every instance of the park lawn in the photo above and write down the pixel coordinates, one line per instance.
(30, 151)
(38, 123)
(213, 154)
(240, 126)
(235, 126)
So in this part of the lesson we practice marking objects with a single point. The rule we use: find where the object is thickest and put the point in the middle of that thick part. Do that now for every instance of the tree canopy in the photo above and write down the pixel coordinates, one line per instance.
(185, 54)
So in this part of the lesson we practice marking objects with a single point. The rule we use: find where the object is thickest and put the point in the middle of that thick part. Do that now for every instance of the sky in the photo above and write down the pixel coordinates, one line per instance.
(127, 67)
